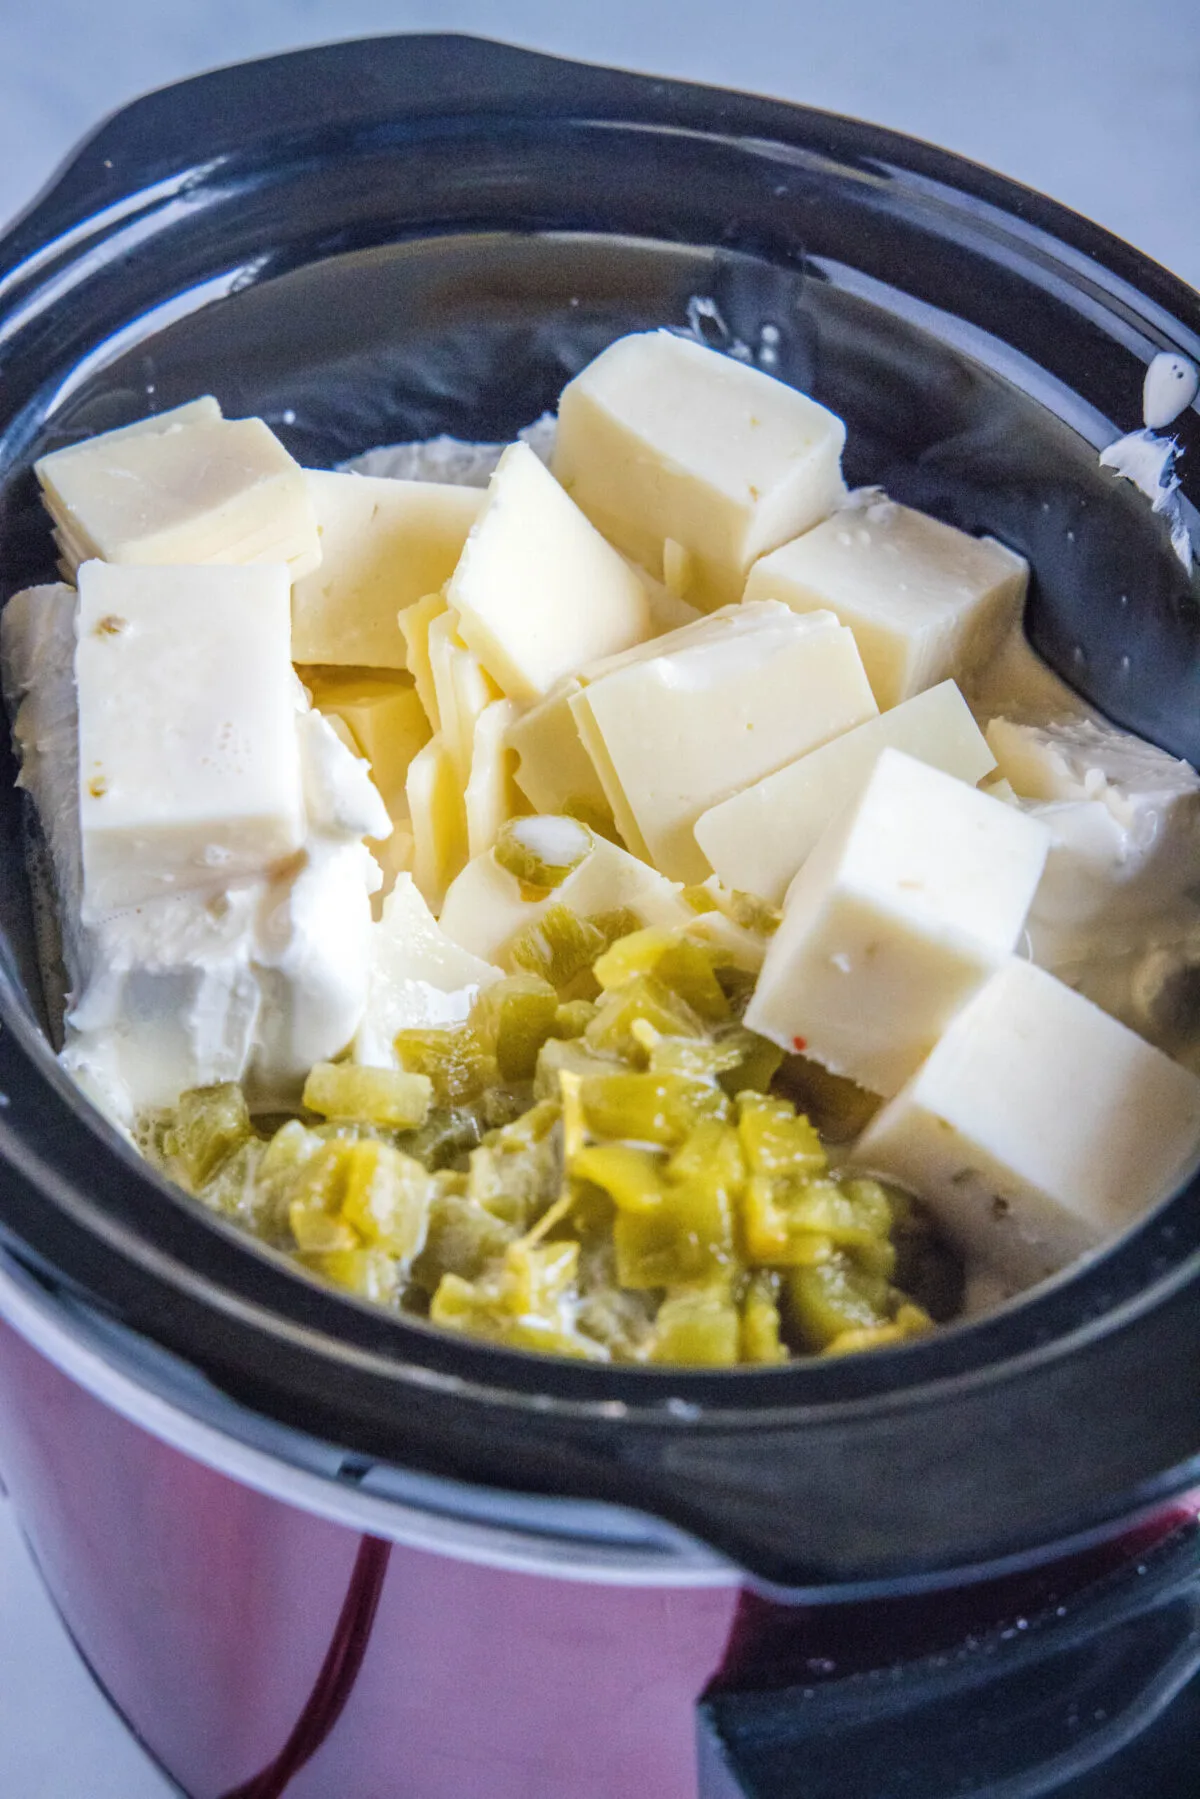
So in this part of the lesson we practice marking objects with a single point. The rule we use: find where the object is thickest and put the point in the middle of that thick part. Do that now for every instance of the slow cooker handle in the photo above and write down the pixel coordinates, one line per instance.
(328, 95)
(1017, 1713)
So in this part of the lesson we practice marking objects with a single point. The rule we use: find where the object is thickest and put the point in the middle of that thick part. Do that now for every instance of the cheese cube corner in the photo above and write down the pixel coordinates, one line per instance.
(487, 906)
(924, 600)
(694, 463)
(906, 905)
(186, 486)
(1038, 1127)
(760, 837)
(384, 545)
(189, 767)
(554, 770)
(385, 719)
(418, 979)
(696, 716)
(538, 591)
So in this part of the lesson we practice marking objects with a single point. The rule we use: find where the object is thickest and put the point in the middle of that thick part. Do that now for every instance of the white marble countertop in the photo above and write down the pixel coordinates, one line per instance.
(1092, 101)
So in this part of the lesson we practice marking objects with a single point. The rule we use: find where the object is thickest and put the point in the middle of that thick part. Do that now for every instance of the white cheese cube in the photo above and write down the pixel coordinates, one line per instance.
(904, 908)
(384, 545)
(415, 623)
(186, 486)
(693, 463)
(554, 771)
(419, 979)
(386, 721)
(491, 796)
(538, 591)
(758, 839)
(709, 710)
(461, 688)
(189, 771)
(925, 602)
(438, 818)
(486, 906)
(1038, 1126)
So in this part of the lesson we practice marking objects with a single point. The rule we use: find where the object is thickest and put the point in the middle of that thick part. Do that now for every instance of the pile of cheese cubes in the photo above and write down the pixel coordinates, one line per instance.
(687, 635)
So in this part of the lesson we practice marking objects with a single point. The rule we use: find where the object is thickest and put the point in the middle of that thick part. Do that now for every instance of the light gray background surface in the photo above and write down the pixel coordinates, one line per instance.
(1094, 101)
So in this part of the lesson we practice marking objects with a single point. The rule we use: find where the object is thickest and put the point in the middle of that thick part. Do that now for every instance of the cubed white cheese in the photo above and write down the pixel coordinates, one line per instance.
(438, 818)
(758, 839)
(694, 463)
(710, 709)
(384, 545)
(906, 905)
(925, 602)
(416, 622)
(189, 772)
(461, 688)
(491, 795)
(186, 486)
(419, 978)
(538, 591)
(1038, 1126)
(554, 771)
(486, 906)
(386, 721)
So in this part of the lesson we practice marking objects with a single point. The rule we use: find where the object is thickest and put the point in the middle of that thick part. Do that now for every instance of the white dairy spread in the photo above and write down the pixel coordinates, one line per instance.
(253, 982)
(1149, 460)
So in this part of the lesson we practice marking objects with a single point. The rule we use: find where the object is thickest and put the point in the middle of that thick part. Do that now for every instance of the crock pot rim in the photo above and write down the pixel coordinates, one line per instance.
(675, 1402)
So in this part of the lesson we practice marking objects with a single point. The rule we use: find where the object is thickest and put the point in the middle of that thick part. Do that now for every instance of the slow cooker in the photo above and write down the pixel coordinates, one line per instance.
(308, 1547)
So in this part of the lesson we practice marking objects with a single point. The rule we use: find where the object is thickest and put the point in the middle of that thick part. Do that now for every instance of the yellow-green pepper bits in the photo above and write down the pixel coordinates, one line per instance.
(540, 852)
(760, 1339)
(649, 1108)
(457, 1064)
(210, 1123)
(690, 1235)
(697, 1327)
(639, 1000)
(515, 1016)
(384, 1096)
(835, 1296)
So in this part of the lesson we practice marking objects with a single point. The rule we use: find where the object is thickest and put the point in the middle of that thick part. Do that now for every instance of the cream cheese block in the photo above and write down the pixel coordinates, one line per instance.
(487, 906)
(251, 982)
(1038, 1126)
(907, 903)
(1124, 820)
(693, 463)
(419, 978)
(925, 602)
(538, 591)
(189, 774)
(384, 545)
(760, 837)
(696, 716)
(184, 486)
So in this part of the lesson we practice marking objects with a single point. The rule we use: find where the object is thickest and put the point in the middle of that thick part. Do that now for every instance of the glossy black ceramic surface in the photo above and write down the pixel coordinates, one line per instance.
(385, 240)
